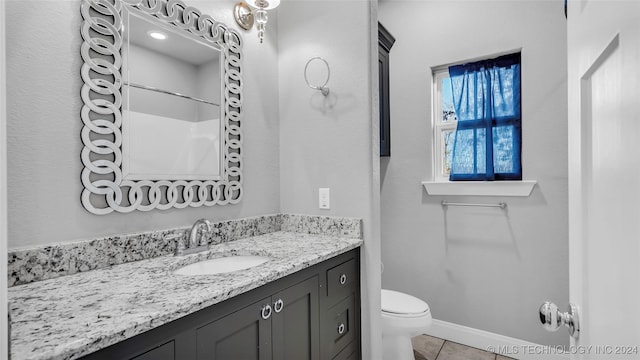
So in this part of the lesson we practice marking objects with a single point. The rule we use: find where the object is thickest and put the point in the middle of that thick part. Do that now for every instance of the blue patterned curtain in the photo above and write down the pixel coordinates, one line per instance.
(486, 98)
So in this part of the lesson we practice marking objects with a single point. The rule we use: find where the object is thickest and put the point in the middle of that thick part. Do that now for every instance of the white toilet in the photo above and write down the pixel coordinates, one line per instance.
(403, 317)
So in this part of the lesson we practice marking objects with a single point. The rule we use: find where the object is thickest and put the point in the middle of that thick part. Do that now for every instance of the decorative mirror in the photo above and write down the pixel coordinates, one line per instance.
(162, 101)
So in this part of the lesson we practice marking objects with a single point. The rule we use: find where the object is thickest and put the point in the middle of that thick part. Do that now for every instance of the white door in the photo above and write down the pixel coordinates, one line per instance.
(604, 176)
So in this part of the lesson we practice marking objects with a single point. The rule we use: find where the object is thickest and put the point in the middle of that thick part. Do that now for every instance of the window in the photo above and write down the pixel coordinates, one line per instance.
(477, 120)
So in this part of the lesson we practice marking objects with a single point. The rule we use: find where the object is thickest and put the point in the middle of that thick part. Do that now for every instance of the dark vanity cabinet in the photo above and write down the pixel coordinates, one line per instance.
(267, 329)
(313, 314)
(385, 42)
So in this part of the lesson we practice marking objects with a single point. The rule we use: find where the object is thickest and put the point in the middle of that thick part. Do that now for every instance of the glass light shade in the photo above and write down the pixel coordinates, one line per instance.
(261, 23)
(264, 4)
(261, 17)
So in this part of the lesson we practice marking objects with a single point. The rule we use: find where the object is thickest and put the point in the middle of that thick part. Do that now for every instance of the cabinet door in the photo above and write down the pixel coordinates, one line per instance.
(385, 42)
(162, 352)
(295, 322)
(383, 98)
(158, 344)
(349, 353)
(242, 335)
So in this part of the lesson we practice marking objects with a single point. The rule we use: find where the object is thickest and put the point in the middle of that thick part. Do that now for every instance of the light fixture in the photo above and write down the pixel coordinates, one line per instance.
(157, 35)
(256, 9)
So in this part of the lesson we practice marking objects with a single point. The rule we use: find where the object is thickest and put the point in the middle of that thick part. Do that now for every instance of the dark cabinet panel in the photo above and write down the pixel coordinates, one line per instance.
(349, 353)
(383, 98)
(295, 322)
(242, 335)
(340, 327)
(385, 42)
(168, 342)
(162, 352)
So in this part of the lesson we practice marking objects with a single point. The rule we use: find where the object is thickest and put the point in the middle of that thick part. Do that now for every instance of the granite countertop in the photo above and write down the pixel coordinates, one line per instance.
(71, 316)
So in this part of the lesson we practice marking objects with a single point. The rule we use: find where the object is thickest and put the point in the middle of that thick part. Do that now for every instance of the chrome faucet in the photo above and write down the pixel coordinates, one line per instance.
(193, 245)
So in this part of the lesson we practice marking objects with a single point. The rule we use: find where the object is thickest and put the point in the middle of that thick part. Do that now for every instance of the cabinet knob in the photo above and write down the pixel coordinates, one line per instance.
(278, 305)
(341, 328)
(343, 279)
(266, 312)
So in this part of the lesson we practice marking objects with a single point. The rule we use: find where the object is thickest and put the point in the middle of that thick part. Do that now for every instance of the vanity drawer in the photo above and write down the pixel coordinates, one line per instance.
(339, 328)
(341, 280)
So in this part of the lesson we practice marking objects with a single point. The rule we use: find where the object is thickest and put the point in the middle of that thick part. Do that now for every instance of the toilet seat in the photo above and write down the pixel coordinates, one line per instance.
(425, 314)
(399, 304)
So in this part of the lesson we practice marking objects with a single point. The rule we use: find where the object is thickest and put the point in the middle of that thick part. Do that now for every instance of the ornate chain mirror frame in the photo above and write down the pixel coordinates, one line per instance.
(105, 190)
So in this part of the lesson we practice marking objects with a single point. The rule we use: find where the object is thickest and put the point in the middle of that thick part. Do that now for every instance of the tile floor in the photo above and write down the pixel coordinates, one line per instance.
(431, 348)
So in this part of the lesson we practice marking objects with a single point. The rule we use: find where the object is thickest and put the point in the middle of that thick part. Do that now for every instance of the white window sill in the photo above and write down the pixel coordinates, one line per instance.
(480, 188)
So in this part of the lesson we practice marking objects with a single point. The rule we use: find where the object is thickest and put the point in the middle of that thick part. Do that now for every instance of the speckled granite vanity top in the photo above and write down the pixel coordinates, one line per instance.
(71, 316)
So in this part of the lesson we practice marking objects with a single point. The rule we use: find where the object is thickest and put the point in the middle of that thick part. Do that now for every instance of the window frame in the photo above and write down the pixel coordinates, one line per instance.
(438, 126)
(440, 185)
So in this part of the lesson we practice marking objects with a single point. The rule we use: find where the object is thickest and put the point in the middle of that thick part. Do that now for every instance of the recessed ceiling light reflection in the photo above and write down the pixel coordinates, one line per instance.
(157, 35)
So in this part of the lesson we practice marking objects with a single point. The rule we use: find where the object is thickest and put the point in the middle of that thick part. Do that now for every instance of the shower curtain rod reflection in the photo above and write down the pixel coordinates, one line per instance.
(501, 205)
(144, 87)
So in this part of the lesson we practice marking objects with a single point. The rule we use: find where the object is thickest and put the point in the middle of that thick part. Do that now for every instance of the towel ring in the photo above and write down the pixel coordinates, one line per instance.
(322, 88)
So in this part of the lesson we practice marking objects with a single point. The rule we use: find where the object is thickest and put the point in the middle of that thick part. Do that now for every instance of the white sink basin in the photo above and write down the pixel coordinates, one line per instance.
(222, 265)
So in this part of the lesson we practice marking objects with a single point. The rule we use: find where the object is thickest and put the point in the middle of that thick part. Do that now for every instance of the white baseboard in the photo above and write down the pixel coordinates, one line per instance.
(500, 344)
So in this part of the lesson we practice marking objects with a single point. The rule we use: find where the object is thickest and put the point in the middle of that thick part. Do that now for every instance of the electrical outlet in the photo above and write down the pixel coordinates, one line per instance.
(324, 198)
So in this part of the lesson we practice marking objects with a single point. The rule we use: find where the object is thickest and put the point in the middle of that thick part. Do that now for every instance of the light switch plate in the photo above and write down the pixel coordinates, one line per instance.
(324, 198)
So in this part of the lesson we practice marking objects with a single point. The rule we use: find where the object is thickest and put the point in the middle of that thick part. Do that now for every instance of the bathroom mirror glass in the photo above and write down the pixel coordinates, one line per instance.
(170, 104)
(162, 99)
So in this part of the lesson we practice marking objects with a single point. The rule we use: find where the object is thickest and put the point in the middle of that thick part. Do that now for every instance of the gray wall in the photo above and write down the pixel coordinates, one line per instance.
(313, 145)
(329, 142)
(151, 68)
(480, 268)
(43, 87)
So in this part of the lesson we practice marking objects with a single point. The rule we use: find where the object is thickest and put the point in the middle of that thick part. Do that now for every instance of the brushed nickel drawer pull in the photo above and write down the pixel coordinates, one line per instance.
(266, 312)
(343, 279)
(278, 305)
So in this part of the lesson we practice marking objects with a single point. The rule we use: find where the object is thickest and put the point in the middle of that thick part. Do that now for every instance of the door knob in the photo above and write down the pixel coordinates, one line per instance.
(551, 318)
